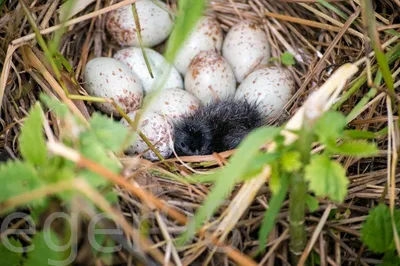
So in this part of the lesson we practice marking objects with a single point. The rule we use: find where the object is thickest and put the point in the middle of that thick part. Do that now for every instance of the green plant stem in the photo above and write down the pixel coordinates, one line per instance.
(297, 205)
(87, 98)
(298, 196)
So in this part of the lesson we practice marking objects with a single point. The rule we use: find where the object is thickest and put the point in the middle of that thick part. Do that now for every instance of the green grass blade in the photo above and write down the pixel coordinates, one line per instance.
(188, 14)
(369, 22)
(334, 9)
(391, 56)
(270, 215)
(54, 43)
(139, 35)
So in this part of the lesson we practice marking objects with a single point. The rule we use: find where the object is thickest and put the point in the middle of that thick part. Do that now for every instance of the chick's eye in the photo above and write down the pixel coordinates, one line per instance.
(182, 144)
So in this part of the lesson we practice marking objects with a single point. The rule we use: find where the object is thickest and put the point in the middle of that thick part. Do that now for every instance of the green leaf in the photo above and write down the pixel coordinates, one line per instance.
(288, 59)
(104, 242)
(259, 162)
(32, 141)
(106, 132)
(45, 250)
(228, 177)
(390, 259)
(393, 32)
(359, 134)
(291, 161)
(326, 178)
(273, 59)
(377, 231)
(356, 148)
(94, 151)
(64, 62)
(315, 258)
(111, 196)
(17, 178)
(270, 215)
(275, 178)
(57, 169)
(9, 257)
(312, 203)
(330, 127)
(188, 14)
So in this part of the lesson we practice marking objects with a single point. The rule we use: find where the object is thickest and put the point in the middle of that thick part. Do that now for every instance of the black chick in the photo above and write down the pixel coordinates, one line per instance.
(217, 127)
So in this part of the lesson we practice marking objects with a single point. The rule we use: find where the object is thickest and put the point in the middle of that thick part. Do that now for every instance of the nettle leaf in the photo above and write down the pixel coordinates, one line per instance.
(57, 169)
(359, 134)
(356, 148)
(229, 176)
(46, 250)
(17, 178)
(108, 133)
(312, 203)
(111, 196)
(329, 127)
(95, 152)
(377, 231)
(391, 259)
(8, 256)
(32, 141)
(291, 161)
(288, 59)
(326, 178)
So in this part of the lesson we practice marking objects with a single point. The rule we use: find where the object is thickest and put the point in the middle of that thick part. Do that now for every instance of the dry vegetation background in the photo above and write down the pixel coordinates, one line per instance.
(320, 36)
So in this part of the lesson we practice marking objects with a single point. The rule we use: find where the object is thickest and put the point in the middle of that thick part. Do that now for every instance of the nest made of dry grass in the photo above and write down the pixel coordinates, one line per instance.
(320, 39)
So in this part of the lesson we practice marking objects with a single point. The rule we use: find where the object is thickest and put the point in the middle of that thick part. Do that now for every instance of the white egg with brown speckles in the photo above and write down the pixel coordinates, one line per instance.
(158, 131)
(133, 57)
(175, 103)
(210, 77)
(109, 78)
(206, 35)
(270, 87)
(245, 47)
(155, 22)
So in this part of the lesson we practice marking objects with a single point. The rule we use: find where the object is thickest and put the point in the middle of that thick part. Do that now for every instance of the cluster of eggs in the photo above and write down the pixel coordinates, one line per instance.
(211, 66)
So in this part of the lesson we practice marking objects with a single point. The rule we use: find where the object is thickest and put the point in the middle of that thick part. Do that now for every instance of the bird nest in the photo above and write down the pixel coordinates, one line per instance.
(321, 35)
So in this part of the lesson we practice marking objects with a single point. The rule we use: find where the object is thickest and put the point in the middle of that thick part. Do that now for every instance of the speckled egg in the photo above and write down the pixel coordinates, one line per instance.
(210, 77)
(155, 22)
(157, 129)
(245, 47)
(175, 103)
(133, 57)
(207, 35)
(109, 78)
(270, 87)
